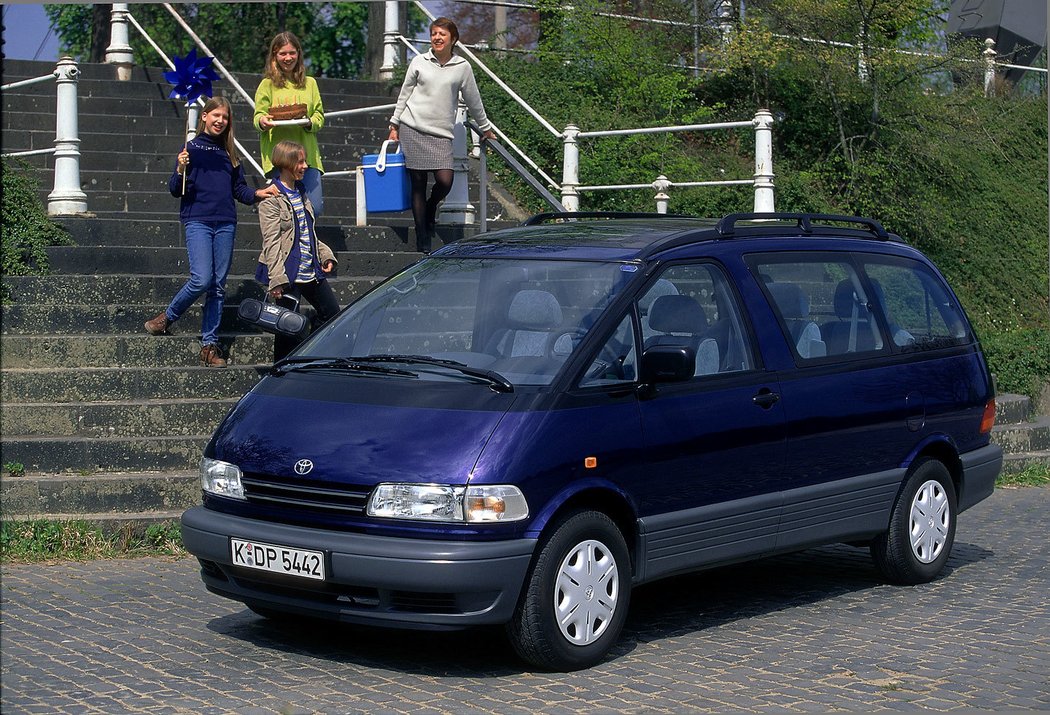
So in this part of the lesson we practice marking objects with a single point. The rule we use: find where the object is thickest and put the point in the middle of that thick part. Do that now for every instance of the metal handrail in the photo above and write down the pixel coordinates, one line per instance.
(27, 82)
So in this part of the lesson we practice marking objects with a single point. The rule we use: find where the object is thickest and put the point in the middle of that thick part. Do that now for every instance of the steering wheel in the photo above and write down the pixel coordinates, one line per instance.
(609, 361)
(562, 346)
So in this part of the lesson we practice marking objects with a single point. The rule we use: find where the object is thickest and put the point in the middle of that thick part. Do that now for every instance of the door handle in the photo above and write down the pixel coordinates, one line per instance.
(766, 398)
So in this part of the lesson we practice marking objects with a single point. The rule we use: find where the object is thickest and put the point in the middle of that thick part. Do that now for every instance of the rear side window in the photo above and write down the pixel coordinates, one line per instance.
(920, 312)
(823, 305)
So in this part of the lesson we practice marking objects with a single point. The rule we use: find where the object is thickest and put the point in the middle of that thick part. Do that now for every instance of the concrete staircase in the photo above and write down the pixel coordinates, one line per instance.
(108, 421)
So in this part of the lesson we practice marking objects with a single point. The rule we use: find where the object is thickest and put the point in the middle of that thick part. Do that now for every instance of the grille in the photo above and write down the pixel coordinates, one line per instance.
(303, 494)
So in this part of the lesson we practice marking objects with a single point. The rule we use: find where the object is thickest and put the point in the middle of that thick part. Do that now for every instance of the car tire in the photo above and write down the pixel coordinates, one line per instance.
(576, 595)
(922, 527)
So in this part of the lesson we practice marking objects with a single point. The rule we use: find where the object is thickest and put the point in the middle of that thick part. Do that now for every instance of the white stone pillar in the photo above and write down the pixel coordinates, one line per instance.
(457, 209)
(67, 198)
(662, 199)
(119, 51)
(390, 33)
(763, 122)
(570, 171)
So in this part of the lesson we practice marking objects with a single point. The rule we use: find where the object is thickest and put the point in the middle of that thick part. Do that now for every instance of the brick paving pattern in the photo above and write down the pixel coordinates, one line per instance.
(814, 631)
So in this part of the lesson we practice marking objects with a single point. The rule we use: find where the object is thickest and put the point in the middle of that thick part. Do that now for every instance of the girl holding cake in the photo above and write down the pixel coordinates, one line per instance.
(423, 119)
(208, 177)
(287, 93)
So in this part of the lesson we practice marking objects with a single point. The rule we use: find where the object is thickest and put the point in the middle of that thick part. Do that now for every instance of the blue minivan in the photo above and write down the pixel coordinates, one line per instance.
(525, 425)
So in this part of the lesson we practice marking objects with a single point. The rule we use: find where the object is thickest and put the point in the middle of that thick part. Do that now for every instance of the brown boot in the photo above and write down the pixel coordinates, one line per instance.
(211, 356)
(158, 325)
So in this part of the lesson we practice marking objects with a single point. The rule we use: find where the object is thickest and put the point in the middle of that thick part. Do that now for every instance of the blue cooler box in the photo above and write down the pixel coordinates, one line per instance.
(387, 190)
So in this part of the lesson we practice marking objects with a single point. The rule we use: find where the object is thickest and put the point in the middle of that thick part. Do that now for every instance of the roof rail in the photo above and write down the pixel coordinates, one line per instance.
(569, 215)
(727, 226)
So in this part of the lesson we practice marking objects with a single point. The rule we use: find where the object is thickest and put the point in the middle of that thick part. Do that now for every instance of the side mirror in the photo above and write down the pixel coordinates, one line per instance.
(668, 363)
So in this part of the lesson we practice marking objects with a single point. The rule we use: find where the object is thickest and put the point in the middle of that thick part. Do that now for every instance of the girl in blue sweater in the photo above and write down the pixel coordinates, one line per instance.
(208, 177)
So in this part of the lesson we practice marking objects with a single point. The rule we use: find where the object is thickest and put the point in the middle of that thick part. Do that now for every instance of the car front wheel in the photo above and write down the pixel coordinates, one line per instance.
(576, 595)
(922, 527)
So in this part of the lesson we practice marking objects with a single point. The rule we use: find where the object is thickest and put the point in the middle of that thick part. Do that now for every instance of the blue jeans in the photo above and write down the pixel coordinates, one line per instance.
(312, 185)
(210, 247)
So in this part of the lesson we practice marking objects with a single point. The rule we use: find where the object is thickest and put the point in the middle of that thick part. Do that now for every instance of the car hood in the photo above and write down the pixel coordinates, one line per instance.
(361, 437)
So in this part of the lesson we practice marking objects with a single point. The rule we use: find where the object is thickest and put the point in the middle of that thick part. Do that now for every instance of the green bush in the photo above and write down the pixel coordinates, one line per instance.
(26, 229)
(44, 540)
(1019, 359)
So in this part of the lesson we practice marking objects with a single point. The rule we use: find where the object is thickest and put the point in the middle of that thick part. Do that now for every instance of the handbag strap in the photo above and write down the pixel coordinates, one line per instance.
(381, 159)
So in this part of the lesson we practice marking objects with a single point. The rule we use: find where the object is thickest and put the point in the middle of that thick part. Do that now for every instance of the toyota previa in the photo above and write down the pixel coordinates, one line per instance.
(525, 425)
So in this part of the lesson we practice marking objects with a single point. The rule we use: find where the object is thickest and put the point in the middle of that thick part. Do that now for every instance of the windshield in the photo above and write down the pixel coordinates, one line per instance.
(516, 320)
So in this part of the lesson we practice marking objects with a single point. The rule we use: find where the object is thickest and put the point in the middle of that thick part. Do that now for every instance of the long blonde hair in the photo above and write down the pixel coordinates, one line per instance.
(226, 138)
(273, 71)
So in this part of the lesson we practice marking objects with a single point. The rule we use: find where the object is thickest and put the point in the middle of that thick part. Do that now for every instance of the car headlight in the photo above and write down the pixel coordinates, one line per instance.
(221, 478)
(441, 502)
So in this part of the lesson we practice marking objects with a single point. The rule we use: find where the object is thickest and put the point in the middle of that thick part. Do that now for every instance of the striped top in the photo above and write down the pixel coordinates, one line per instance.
(302, 230)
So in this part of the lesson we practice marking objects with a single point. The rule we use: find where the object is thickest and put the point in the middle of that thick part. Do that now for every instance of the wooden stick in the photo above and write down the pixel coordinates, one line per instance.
(185, 169)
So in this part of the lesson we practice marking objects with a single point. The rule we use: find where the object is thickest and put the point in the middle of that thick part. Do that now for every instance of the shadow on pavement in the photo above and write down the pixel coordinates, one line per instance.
(665, 609)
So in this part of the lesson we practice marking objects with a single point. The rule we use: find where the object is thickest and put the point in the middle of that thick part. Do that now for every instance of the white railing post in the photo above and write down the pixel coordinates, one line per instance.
(119, 51)
(67, 198)
(989, 67)
(763, 122)
(457, 209)
(570, 172)
(193, 115)
(725, 21)
(391, 31)
(359, 195)
(662, 199)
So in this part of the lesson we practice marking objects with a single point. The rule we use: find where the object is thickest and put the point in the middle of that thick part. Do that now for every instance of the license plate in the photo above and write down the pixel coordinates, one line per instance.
(278, 559)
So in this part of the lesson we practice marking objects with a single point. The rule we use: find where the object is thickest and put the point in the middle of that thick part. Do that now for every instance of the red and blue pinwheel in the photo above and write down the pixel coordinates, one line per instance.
(192, 76)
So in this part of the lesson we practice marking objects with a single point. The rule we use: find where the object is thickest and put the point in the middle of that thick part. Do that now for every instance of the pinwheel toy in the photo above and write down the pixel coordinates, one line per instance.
(192, 78)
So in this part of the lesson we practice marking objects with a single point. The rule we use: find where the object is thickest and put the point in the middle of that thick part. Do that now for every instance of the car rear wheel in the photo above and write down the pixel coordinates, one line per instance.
(922, 527)
(576, 595)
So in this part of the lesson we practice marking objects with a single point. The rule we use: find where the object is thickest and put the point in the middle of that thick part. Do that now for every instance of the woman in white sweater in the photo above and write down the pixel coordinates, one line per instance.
(423, 119)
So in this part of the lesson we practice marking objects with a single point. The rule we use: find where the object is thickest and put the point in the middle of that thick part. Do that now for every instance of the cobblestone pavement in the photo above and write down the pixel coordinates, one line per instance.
(814, 631)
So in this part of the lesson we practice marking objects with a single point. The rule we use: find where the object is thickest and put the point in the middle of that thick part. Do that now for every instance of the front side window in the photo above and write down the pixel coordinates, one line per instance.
(920, 312)
(522, 319)
(692, 306)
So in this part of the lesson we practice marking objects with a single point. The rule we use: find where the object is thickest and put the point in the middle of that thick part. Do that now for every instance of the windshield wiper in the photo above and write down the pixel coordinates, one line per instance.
(313, 363)
(493, 378)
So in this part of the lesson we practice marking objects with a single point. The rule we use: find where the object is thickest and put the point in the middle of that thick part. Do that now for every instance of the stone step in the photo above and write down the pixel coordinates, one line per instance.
(63, 289)
(1010, 409)
(169, 233)
(101, 351)
(163, 201)
(120, 181)
(337, 144)
(1014, 463)
(64, 455)
(124, 318)
(95, 117)
(17, 69)
(131, 495)
(1031, 436)
(108, 420)
(88, 260)
(127, 383)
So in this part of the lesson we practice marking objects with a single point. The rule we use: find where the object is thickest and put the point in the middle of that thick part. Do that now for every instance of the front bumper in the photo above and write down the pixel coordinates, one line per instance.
(370, 579)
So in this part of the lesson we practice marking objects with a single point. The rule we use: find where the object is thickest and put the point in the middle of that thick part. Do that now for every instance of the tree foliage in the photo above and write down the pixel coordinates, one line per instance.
(334, 35)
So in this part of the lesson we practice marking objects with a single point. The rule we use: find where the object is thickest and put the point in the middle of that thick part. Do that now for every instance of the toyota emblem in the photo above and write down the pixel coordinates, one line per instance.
(303, 466)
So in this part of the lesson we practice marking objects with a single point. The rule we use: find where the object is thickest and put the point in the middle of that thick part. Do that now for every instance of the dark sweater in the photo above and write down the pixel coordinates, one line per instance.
(211, 185)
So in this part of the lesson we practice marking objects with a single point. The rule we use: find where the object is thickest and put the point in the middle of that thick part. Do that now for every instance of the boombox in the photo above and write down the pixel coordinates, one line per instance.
(274, 318)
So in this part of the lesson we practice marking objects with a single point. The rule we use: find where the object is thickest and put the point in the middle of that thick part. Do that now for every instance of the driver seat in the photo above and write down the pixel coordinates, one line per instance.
(533, 319)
